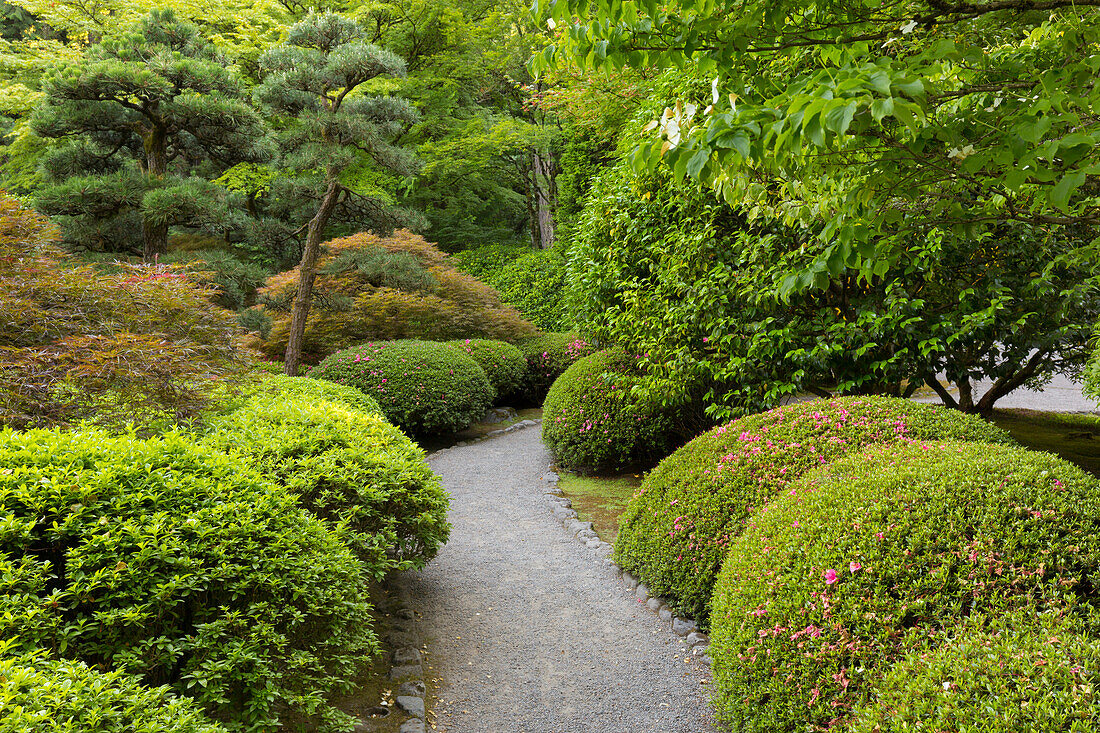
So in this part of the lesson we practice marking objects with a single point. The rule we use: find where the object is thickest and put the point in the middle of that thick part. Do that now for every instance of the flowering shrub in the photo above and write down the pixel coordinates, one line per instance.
(351, 468)
(502, 363)
(591, 421)
(883, 552)
(43, 695)
(423, 387)
(179, 565)
(677, 529)
(1016, 675)
(548, 356)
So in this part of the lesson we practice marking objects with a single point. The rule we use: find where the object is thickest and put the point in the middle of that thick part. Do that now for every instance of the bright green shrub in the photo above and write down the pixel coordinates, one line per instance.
(350, 468)
(179, 565)
(502, 363)
(548, 356)
(881, 552)
(1016, 676)
(677, 529)
(591, 421)
(423, 387)
(317, 390)
(534, 284)
(68, 697)
(484, 261)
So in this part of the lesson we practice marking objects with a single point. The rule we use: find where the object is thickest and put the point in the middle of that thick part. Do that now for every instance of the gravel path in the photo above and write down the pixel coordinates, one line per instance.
(527, 631)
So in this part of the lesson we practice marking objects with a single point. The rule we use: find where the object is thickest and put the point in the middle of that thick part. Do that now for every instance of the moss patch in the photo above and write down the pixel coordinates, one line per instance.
(1074, 437)
(600, 499)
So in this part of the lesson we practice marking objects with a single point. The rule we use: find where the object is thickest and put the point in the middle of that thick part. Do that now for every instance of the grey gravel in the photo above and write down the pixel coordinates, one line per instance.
(559, 646)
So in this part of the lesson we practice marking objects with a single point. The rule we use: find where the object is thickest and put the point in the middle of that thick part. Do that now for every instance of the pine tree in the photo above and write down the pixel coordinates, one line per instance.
(314, 80)
(143, 115)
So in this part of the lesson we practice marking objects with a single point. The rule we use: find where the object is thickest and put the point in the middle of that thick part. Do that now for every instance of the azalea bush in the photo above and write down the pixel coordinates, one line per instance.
(882, 553)
(181, 566)
(592, 422)
(1001, 676)
(351, 468)
(423, 387)
(548, 356)
(502, 363)
(677, 529)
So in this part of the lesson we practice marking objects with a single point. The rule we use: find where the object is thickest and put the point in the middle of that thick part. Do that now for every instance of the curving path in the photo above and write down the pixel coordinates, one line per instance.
(527, 630)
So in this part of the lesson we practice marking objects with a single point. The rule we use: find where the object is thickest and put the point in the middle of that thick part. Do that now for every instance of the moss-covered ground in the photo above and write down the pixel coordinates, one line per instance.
(600, 499)
(1072, 436)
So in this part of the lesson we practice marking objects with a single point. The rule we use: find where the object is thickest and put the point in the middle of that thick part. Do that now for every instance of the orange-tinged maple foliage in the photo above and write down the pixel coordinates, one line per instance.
(428, 299)
(78, 344)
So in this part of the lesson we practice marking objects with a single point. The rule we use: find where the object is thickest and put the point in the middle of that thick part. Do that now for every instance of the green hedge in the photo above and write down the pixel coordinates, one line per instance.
(424, 387)
(68, 697)
(317, 390)
(548, 356)
(879, 552)
(1016, 675)
(350, 468)
(534, 284)
(591, 421)
(178, 564)
(502, 363)
(676, 530)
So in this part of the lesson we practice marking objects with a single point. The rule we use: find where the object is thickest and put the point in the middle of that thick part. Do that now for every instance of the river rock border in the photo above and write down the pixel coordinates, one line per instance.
(402, 634)
(583, 532)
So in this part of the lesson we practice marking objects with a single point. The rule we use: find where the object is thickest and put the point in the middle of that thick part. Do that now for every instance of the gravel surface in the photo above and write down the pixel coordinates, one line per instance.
(526, 630)
(1062, 394)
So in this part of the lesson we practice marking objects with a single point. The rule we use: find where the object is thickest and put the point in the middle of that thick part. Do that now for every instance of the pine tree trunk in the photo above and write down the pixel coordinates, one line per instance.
(307, 272)
(155, 236)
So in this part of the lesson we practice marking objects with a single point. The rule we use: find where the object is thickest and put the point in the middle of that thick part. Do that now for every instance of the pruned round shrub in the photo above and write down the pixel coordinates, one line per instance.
(502, 363)
(1016, 675)
(350, 468)
(179, 565)
(548, 356)
(592, 422)
(676, 530)
(882, 552)
(317, 390)
(423, 387)
(68, 697)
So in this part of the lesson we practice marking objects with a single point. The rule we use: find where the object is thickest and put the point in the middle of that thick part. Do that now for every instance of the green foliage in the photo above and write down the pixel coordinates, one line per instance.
(70, 697)
(485, 261)
(424, 387)
(592, 421)
(677, 530)
(350, 468)
(380, 268)
(883, 552)
(548, 356)
(531, 281)
(181, 566)
(320, 390)
(1011, 674)
(502, 363)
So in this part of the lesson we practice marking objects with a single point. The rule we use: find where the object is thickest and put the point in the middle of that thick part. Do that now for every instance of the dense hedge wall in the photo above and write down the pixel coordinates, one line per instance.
(68, 697)
(592, 422)
(316, 390)
(502, 363)
(424, 387)
(881, 552)
(180, 565)
(350, 468)
(675, 532)
(548, 356)
(531, 281)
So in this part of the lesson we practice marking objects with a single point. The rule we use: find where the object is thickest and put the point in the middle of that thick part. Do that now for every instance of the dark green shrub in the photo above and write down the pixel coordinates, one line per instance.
(591, 421)
(677, 529)
(502, 363)
(316, 390)
(68, 697)
(548, 356)
(1017, 675)
(423, 387)
(179, 565)
(882, 552)
(350, 468)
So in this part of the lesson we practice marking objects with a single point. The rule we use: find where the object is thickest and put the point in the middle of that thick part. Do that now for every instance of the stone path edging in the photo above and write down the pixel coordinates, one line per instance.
(407, 662)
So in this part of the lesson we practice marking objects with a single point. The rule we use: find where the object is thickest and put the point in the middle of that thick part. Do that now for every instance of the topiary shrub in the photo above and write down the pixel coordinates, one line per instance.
(591, 421)
(350, 468)
(68, 697)
(885, 551)
(423, 387)
(676, 530)
(502, 363)
(548, 356)
(317, 390)
(1016, 675)
(179, 565)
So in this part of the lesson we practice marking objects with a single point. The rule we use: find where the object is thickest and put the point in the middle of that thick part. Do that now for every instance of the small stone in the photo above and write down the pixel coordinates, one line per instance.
(653, 604)
(566, 503)
(414, 706)
(700, 650)
(593, 544)
(664, 613)
(498, 415)
(553, 491)
(641, 591)
(550, 476)
(416, 725)
(461, 444)
(577, 526)
(695, 638)
(562, 513)
(629, 581)
(408, 670)
(682, 626)
(587, 534)
(413, 688)
(401, 638)
(406, 655)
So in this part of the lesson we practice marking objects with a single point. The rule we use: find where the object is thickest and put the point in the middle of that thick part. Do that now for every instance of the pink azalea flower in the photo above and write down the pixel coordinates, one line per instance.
(853, 566)
(830, 576)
